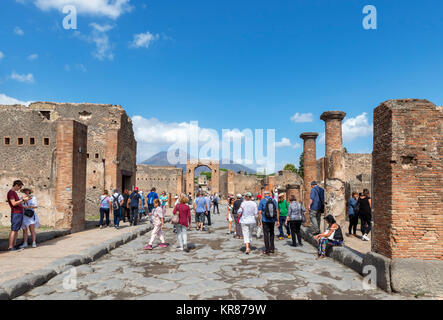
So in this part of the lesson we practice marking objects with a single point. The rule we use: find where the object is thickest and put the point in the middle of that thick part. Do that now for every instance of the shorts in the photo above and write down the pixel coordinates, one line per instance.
(16, 221)
(200, 217)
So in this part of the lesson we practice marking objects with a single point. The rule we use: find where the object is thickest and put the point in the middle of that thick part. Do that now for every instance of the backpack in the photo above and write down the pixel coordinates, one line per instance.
(270, 209)
(115, 204)
(322, 200)
(237, 204)
(357, 207)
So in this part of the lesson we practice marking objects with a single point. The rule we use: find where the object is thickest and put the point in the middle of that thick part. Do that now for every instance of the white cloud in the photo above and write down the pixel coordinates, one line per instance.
(29, 78)
(32, 57)
(4, 99)
(356, 127)
(285, 142)
(1, 55)
(144, 40)
(302, 117)
(353, 128)
(98, 36)
(107, 8)
(78, 67)
(19, 31)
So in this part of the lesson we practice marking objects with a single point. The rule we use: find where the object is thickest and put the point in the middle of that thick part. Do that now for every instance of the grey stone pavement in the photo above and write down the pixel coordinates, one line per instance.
(215, 268)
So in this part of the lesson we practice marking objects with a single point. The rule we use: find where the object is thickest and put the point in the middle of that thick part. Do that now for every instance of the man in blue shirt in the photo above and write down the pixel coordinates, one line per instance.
(316, 206)
(267, 222)
(353, 214)
(151, 196)
(201, 209)
(134, 202)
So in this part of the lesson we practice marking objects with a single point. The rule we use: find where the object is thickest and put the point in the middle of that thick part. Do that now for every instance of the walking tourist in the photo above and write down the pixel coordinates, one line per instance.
(296, 216)
(141, 209)
(164, 201)
(30, 218)
(365, 212)
(117, 207)
(16, 205)
(236, 207)
(268, 217)
(333, 236)
(126, 209)
(247, 212)
(190, 199)
(158, 221)
(316, 206)
(134, 203)
(215, 201)
(105, 208)
(283, 207)
(259, 229)
(229, 216)
(209, 204)
(201, 209)
(184, 213)
(151, 197)
(353, 214)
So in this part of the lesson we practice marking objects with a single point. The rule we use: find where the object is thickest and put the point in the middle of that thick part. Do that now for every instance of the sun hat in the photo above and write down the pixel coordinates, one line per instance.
(239, 195)
(248, 194)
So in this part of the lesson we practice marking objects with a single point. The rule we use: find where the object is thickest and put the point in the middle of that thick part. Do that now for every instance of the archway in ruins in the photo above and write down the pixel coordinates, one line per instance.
(191, 165)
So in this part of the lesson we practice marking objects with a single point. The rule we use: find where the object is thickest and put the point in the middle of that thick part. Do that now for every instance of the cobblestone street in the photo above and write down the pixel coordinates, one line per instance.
(215, 268)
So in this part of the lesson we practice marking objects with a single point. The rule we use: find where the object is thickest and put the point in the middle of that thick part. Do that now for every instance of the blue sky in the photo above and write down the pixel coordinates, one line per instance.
(226, 64)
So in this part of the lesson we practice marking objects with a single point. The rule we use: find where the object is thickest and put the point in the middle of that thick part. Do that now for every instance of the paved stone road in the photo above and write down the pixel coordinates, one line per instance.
(216, 268)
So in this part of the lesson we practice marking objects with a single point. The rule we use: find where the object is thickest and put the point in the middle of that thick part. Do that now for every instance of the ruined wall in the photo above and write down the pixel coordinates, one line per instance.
(358, 172)
(33, 161)
(224, 182)
(408, 180)
(163, 178)
(111, 145)
(243, 184)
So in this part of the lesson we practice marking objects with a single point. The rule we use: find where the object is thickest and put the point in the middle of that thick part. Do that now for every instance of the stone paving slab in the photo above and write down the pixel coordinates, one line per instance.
(216, 268)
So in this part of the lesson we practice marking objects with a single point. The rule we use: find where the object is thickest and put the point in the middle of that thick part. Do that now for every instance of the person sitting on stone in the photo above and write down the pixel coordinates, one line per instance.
(333, 236)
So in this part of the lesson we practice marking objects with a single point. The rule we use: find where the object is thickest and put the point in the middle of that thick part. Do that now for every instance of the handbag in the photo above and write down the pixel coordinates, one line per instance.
(29, 213)
(175, 218)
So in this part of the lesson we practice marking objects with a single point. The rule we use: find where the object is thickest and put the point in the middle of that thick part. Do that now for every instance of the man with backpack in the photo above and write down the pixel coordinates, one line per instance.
(117, 205)
(134, 203)
(268, 218)
(151, 197)
(316, 206)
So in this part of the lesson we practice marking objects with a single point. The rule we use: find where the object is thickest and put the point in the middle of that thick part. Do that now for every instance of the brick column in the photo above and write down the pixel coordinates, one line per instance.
(71, 175)
(112, 174)
(310, 164)
(334, 165)
(408, 180)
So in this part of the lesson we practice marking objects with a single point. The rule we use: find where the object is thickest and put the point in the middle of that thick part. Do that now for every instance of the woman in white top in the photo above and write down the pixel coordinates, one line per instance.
(248, 211)
(30, 222)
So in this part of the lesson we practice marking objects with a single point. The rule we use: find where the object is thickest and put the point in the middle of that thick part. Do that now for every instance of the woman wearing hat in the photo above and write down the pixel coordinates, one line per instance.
(248, 211)
(30, 220)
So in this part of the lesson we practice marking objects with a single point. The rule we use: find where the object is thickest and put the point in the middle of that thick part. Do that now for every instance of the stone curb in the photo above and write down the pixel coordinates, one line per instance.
(41, 237)
(344, 255)
(16, 287)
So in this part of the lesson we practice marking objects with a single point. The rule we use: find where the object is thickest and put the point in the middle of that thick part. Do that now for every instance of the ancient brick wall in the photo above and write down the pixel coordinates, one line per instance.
(358, 172)
(242, 183)
(111, 145)
(162, 178)
(30, 159)
(408, 180)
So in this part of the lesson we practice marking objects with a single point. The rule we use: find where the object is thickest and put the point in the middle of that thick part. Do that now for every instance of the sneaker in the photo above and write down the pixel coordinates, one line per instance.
(101, 227)
(148, 247)
(15, 249)
(23, 246)
(289, 236)
(34, 245)
(280, 238)
(162, 245)
(300, 244)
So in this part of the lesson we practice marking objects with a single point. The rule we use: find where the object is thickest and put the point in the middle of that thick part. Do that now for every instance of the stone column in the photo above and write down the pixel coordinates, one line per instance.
(310, 164)
(334, 165)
